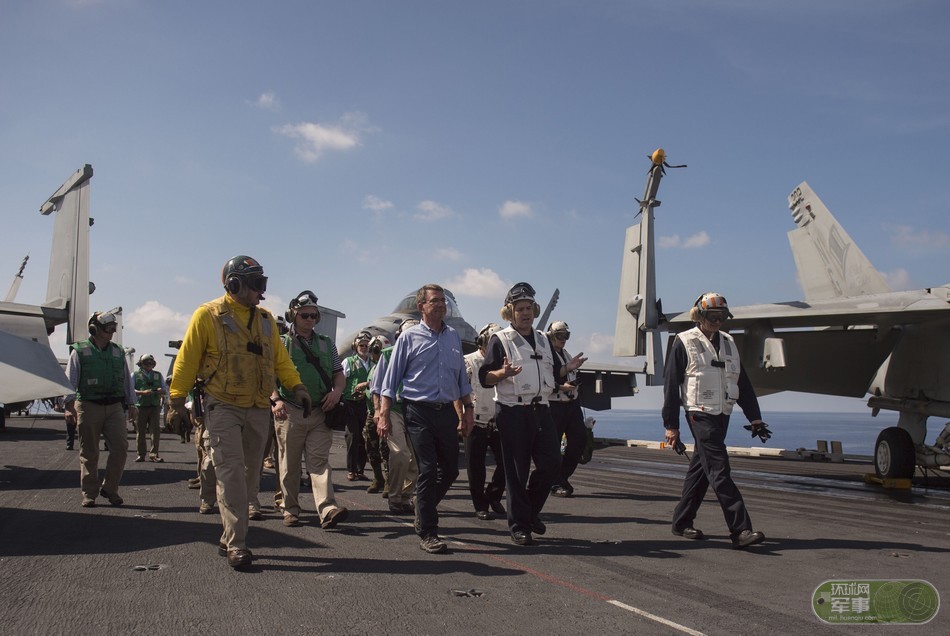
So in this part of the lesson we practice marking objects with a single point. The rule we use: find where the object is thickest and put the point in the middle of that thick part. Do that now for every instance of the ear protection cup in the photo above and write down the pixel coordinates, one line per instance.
(506, 313)
(694, 314)
(92, 329)
(289, 317)
(233, 284)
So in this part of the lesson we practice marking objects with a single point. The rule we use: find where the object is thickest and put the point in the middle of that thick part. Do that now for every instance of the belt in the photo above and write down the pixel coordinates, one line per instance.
(106, 401)
(483, 420)
(435, 406)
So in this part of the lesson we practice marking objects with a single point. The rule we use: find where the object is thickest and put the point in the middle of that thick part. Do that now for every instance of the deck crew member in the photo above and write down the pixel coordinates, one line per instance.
(427, 362)
(235, 347)
(356, 369)
(150, 392)
(483, 436)
(705, 375)
(98, 371)
(519, 365)
(566, 408)
(403, 471)
(318, 363)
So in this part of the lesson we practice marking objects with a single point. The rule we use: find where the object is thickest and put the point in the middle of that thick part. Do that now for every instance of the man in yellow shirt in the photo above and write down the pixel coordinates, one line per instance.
(234, 348)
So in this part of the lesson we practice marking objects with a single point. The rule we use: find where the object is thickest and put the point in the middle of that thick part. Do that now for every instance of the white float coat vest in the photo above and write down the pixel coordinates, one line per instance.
(562, 396)
(484, 398)
(536, 381)
(707, 387)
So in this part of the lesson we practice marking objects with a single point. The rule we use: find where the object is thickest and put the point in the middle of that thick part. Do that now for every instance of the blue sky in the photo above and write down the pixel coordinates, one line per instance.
(360, 149)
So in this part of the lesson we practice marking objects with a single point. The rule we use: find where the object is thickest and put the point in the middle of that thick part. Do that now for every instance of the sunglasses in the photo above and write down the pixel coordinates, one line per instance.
(307, 316)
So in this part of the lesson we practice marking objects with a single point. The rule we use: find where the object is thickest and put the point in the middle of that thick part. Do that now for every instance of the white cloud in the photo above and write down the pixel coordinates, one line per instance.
(907, 236)
(314, 140)
(449, 254)
(268, 101)
(699, 239)
(181, 279)
(360, 252)
(600, 343)
(374, 203)
(898, 280)
(515, 209)
(432, 211)
(482, 283)
(154, 317)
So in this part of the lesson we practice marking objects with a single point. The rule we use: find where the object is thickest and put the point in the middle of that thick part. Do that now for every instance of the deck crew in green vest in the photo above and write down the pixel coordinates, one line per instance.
(104, 392)
(356, 370)
(299, 434)
(150, 392)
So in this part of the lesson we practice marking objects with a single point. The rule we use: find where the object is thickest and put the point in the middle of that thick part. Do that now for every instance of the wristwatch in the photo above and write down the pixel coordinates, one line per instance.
(468, 406)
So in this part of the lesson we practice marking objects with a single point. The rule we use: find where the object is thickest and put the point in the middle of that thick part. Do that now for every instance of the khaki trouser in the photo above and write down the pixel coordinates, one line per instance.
(107, 421)
(312, 439)
(148, 424)
(237, 437)
(402, 465)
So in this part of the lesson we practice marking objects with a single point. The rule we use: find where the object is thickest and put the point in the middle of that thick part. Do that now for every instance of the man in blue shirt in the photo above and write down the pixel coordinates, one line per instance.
(427, 361)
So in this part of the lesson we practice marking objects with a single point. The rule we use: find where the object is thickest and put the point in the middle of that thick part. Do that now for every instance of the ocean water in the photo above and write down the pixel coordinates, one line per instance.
(857, 432)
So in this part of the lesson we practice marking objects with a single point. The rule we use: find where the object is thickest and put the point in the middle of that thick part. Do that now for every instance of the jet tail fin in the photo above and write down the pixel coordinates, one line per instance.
(638, 317)
(68, 286)
(829, 262)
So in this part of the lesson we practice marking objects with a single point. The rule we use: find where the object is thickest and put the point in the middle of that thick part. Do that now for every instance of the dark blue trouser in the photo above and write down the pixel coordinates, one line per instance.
(709, 466)
(476, 450)
(569, 420)
(527, 433)
(355, 444)
(433, 434)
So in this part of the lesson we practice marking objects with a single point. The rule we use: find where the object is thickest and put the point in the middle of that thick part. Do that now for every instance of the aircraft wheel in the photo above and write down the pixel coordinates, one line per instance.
(894, 456)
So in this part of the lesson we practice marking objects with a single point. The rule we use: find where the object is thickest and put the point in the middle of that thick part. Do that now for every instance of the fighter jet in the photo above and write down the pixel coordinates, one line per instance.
(28, 368)
(851, 335)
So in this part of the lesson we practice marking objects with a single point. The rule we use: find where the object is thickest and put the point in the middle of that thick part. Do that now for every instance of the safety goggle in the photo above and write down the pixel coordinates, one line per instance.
(304, 299)
(562, 335)
(257, 283)
(716, 316)
(521, 290)
(308, 316)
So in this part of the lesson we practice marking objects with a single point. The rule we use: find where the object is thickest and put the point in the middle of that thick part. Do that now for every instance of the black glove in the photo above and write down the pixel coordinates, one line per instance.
(760, 430)
(302, 397)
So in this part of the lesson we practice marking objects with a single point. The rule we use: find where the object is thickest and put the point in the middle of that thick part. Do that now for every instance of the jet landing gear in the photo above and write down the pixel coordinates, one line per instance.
(894, 456)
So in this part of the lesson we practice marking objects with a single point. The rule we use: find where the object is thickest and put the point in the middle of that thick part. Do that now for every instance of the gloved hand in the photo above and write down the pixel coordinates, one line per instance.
(302, 397)
(178, 405)
(759, 429)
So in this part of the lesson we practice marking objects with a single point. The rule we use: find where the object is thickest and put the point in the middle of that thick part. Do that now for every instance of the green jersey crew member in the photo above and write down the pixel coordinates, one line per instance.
(98, 371)
(150, 392)
(235, 347)
(316, 359)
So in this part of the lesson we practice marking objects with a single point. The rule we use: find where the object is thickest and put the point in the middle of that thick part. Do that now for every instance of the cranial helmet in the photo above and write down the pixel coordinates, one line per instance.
(243, 270)
(99, 320)
(486, 333)
(710, 301)
(406, 324)
(559, 327)
(378, 343)
(148, 357)
(306, 298)
(520, 291)
(362, 336)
